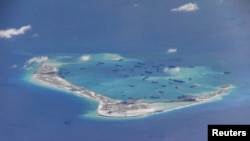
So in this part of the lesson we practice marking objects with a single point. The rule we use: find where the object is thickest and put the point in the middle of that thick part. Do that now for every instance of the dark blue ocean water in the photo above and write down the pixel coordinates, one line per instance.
(215, 37)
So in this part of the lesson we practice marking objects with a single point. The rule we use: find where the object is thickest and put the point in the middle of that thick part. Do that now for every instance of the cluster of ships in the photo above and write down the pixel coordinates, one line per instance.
(146, 70)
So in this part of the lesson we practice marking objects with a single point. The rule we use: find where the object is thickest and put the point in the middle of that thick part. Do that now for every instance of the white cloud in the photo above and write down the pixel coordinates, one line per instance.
(8, 33)
(109, 56)
(136, 5)
(14, 66)
(172, 70)
(35, 60)
(85, 58)
(35, 35)
(172, 50)
(117, 58)
(186, 8)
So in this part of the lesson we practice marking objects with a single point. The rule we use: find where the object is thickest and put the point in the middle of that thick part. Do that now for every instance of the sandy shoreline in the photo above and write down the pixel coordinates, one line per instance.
(47, 75)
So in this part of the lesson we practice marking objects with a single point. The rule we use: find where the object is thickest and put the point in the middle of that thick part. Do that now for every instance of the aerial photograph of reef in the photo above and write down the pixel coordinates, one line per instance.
(131, 70)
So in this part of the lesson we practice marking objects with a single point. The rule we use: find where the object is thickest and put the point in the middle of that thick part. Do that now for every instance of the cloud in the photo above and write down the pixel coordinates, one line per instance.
(172, 50)
(189, 7)
(85, 58)
(101, 57)
(14, 66)
(8, 33)
(172, 70)
(35, 35)
(136, 5)
(34, 61)
(117, 58)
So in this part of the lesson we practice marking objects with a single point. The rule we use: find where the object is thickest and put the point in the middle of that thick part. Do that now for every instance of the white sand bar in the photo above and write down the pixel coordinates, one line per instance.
(47, 74)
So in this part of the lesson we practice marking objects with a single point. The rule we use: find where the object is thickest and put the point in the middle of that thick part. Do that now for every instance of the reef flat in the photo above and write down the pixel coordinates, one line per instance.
(48, 75)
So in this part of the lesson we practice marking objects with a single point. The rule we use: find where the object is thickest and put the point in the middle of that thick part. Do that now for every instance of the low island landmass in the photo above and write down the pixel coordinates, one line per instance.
(47, 74)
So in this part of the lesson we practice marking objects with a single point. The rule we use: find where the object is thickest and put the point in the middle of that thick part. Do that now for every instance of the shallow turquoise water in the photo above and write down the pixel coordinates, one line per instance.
(126, 78)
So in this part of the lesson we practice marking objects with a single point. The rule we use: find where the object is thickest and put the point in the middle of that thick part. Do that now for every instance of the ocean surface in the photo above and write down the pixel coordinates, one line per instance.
(123, 49)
